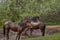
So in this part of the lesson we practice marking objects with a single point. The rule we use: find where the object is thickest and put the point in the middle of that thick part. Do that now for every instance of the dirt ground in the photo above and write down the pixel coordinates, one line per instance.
(49, 31)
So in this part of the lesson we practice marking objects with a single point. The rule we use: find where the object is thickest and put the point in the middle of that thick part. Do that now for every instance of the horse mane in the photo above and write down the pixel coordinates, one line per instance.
(35, 18)
(22, 24)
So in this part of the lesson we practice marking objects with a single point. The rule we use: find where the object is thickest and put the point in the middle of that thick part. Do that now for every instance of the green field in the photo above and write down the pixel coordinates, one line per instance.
(49, 37)
(52, 23)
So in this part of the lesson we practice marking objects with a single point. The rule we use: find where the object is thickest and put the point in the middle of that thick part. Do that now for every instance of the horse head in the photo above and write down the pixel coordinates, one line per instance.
(35, 19)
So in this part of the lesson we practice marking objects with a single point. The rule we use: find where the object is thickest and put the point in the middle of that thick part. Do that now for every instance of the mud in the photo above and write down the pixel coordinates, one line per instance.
(36, 33)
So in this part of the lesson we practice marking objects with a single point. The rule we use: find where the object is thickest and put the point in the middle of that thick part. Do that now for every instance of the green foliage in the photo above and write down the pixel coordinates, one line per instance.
(15, 10)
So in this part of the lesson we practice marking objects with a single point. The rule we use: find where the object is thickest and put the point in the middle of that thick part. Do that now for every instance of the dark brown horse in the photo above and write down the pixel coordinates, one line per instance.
(16, 27)
(35, 23)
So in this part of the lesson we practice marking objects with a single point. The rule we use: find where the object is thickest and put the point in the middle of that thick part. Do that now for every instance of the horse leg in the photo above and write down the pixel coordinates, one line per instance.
(7, 33)
(26, 32)
(19, 33)
(31, 32)
(18, 36)
(4, 31)
(43, 31)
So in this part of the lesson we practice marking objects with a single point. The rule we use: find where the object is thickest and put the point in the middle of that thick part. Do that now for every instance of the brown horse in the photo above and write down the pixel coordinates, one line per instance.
(16, 27)
(34, 23)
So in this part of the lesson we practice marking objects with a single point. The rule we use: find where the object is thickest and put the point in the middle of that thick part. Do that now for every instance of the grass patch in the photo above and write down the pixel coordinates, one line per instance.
(50, 37)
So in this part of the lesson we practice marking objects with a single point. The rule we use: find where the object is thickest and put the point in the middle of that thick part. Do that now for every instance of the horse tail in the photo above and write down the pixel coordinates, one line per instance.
(4, 30)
